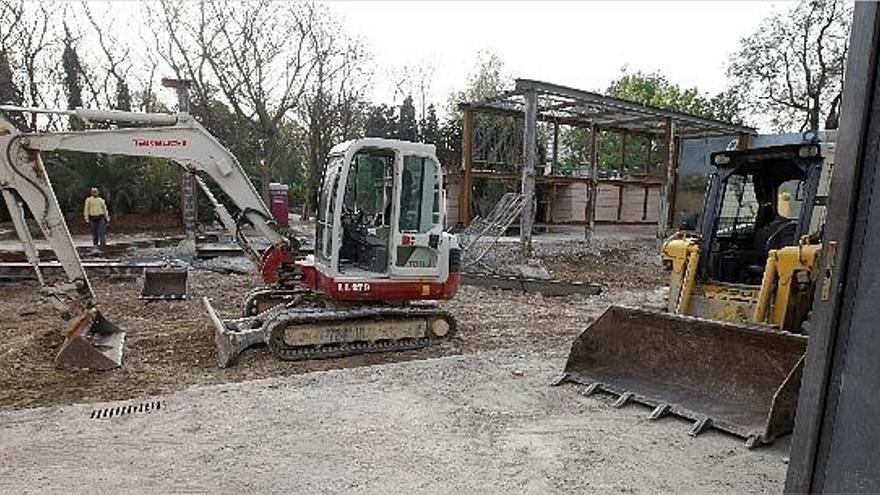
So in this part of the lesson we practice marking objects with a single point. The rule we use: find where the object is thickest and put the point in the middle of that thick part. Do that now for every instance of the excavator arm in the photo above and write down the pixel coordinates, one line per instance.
(91, 341)
(178, 138)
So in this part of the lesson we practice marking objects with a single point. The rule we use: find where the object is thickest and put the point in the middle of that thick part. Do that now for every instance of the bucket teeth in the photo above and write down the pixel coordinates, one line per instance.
(742, 379)
(659, 412)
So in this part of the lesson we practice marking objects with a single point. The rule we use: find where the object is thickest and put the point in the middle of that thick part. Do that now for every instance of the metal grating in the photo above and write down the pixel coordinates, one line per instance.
(110, 412)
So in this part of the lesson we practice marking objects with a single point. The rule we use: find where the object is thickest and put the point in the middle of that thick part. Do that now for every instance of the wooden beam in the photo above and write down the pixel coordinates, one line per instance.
(666, 192)
(555, 162)
(593, 185)
(467, 161)
(571, 121)
(530, 138)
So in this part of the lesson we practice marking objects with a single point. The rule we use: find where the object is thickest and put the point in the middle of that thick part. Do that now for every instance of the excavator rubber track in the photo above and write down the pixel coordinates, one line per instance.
(354, 326)
(306, 328)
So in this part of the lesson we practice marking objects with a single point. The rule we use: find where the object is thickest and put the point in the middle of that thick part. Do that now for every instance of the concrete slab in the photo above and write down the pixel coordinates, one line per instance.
(480, 423)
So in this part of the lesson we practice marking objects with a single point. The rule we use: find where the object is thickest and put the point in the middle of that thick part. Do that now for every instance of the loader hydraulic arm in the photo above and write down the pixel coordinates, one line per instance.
(176, 137)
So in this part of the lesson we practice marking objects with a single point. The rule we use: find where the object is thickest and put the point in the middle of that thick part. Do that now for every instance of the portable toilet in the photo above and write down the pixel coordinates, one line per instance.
(278, 199)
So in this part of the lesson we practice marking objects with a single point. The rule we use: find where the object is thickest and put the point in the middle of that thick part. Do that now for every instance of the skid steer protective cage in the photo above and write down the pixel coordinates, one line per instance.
(740, 379)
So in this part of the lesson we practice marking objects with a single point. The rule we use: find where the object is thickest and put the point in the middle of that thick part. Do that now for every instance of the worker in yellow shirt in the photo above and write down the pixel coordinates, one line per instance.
(96, 215)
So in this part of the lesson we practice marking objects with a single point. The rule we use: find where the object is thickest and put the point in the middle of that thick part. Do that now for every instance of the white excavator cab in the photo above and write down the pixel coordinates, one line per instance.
(380, 213)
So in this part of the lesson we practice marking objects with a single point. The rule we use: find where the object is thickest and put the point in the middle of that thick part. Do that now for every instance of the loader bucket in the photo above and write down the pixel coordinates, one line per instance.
(93, 343)
(164, 283)
(740, 379)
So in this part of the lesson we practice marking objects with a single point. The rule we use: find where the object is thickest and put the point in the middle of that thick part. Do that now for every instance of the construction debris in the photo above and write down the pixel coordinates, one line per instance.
(545, 287)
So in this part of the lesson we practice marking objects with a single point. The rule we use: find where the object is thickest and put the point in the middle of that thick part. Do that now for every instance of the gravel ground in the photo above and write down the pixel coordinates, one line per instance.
(477, 423)
(474, 414)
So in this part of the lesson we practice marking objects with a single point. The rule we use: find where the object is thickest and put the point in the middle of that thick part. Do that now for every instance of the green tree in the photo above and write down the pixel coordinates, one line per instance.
(488, 78)
(407, 128)
(429, 127)
(656, 90)
(380, 122)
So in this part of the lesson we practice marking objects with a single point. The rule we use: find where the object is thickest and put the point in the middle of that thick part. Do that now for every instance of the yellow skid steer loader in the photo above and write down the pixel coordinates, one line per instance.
(728, 351)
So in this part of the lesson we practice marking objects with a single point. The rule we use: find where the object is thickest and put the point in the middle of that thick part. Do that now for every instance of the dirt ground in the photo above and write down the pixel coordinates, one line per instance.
(169, 345)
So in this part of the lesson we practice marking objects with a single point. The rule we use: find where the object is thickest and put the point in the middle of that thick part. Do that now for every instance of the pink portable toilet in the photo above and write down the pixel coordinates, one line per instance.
(279, 202)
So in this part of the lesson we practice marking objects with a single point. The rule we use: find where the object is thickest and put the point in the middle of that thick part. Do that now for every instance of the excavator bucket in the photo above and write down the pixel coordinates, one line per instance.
(164, 283)
(93, 343)
(740, 379)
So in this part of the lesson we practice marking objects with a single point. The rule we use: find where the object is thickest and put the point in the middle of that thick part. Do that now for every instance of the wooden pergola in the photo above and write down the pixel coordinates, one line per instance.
(535, 101)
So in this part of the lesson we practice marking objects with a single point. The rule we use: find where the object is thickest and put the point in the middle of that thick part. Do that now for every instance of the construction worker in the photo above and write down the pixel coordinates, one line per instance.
(97, 216)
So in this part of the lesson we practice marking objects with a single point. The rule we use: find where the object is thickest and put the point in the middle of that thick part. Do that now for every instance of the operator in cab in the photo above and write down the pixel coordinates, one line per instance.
(95, 214)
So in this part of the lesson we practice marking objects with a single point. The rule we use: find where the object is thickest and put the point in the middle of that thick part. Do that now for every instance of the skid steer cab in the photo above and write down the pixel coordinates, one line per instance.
(379, 233)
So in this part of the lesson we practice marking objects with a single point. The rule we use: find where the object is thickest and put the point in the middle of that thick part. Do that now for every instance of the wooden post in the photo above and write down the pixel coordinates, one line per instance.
(621, 171)
(742, 141)
(650, 148)
(527, 218)
(667, 190)
(593, 184)
(555, 161)
(467, 162)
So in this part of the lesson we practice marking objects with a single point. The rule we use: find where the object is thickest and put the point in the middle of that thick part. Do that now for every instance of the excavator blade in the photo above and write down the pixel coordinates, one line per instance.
(740, 379)
(164, 283)
(230, 341)
(93, 343)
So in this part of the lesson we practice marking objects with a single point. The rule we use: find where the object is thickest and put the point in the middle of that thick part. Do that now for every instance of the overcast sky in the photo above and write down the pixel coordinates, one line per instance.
(579, 44)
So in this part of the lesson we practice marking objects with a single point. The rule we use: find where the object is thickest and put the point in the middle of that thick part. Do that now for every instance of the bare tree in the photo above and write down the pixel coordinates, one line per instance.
(414, 80)
(254, 55)
(333, 104)
(10, 14)
(791, 68)
(112, 84)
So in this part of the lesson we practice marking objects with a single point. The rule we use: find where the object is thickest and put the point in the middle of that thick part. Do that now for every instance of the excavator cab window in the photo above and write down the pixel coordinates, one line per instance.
(419, 195)
(324, 223)
(366, 212)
